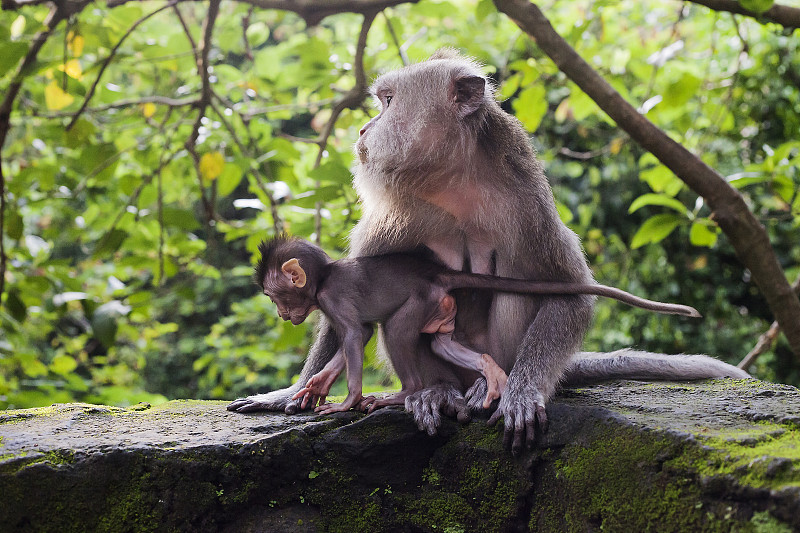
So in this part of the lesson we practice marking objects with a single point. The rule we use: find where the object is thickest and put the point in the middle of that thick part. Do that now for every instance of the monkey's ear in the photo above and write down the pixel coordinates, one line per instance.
(294, 272)
(468, 92)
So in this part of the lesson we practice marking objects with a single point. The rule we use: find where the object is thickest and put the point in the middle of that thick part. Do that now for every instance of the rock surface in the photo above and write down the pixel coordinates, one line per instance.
(626, 456)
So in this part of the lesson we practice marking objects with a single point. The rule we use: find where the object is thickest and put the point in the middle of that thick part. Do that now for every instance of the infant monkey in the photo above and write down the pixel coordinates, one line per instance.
(407, 293)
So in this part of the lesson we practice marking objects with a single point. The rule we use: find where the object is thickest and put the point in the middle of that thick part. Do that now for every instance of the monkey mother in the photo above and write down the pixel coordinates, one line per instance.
(444, 167)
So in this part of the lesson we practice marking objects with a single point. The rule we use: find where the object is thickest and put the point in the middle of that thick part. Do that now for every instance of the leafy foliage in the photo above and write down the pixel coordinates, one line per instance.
(129, 247)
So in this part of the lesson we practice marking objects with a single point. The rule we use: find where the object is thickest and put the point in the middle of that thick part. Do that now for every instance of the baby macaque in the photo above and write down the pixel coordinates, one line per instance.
(407, 293)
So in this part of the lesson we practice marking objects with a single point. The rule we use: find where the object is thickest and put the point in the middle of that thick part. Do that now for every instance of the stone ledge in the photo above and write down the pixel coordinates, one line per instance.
(626, 456)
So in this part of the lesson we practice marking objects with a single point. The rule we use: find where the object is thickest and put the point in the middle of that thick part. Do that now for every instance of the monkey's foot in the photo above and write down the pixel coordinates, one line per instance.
(351, 401)
(521, 412)
(279, 400)
(475, 396)
(370, 403)
(428, 405)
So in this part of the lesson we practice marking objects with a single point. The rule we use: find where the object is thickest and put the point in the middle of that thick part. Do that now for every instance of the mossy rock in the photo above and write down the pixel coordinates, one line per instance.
(718, 455)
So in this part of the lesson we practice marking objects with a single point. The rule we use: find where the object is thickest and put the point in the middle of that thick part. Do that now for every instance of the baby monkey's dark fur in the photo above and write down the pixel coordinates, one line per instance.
(406, 292)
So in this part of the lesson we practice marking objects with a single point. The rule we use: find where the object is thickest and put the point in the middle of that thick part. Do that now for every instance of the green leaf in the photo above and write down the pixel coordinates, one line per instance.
(661, 179)
(564, 213)
(531, 106)
(110, 243)
(15, 305)
(681, 90)
(12, 52)
(657, 199)
(703, 233)
(257, 34)
(180, 218)
(63, 364)
(484, 9)
(14, 225)
(655, 229)
(331, 171)
(229, 179)
(757, 6)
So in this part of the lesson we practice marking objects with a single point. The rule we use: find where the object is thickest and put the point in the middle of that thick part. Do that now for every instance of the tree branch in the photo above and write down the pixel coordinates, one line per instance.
(788, 17)
(745, 232)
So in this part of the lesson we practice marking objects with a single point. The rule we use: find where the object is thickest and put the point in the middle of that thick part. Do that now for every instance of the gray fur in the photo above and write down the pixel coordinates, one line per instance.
(591, 367)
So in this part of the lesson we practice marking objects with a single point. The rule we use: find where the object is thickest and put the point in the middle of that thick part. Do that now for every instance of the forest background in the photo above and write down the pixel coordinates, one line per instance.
(148, 147)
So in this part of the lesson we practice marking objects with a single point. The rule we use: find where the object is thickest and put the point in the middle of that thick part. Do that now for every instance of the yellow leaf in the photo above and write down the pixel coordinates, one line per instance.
(55, 98)
(149, 109)
(211, 166)
(76, 43)
(73, 69)
(616, 145)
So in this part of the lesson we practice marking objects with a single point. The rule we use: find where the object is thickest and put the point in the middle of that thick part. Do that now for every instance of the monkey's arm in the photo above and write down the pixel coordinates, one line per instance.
(446, 347)
(318, 387)
(547, 346)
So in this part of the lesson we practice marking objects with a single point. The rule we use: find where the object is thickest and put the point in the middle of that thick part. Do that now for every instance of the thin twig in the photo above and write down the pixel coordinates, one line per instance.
(108, 59)
(55, 16)
(400, 49)
(767, 339)
(352, 99)
(277, 223)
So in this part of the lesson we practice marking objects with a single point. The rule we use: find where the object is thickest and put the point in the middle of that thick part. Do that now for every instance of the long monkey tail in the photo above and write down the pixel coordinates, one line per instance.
(589, 367)
(463, 280)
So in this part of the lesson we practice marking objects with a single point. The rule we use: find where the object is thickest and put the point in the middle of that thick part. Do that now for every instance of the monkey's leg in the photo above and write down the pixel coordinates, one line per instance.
(323, 350)
(401, 337)
(553, 337)
(353, 351)
(445, 346)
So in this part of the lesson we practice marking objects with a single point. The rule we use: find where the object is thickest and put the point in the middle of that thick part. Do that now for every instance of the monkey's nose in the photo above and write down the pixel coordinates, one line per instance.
(361, 131)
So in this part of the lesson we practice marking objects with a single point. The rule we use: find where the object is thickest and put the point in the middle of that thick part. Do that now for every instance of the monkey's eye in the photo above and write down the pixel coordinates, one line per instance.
(388, 99)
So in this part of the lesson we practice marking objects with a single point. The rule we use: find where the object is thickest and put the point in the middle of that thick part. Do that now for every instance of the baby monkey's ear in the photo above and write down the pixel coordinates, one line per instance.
(294, 272)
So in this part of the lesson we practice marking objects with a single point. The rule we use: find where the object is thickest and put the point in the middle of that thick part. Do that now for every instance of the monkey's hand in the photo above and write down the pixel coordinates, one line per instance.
(279, 400)
(521, 408)
(428, 405)
(316, 389)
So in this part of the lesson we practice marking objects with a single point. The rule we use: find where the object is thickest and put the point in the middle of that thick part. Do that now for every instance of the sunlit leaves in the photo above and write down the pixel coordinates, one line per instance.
(703, 233)
(530, 106)
(657, 199)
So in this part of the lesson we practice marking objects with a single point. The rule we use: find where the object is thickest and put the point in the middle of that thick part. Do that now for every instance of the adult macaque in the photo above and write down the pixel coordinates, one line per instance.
(407, 294)
(442, 166)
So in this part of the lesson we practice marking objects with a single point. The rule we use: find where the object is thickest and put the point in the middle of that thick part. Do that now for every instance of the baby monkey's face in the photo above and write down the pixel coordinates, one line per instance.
(293, 303)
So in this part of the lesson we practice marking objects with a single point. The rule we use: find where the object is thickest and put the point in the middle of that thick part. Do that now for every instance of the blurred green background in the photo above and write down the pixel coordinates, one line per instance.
(130, 244)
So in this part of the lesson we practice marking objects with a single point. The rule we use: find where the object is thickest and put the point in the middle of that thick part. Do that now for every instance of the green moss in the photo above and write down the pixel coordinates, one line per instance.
(764, 523)
(615, 484)
(760, 456)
